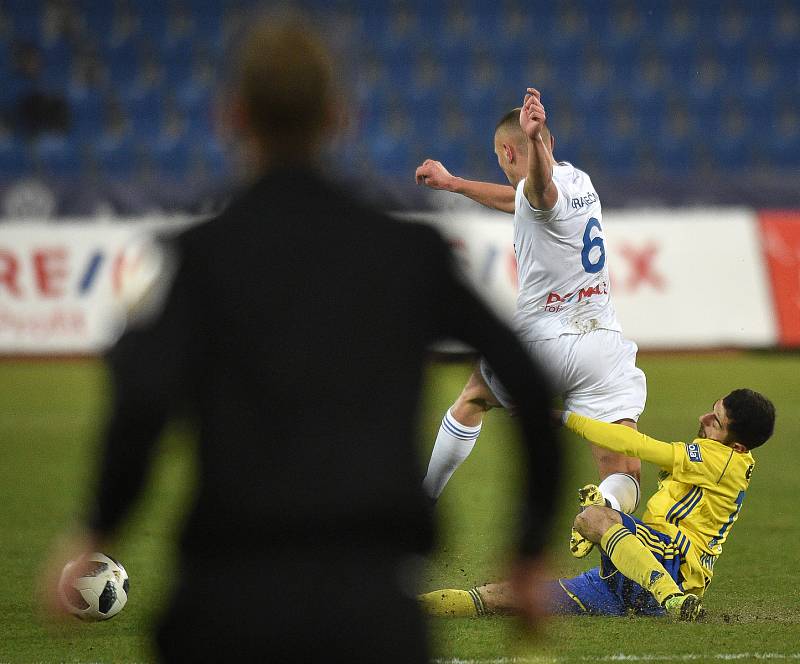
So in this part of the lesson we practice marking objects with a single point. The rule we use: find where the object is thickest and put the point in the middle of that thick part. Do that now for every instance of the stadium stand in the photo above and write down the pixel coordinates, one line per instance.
(678, 89)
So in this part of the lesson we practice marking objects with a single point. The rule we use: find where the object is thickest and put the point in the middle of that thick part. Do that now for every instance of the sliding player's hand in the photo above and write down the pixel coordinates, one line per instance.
(532, 116)
(434, 175)
(530, 578)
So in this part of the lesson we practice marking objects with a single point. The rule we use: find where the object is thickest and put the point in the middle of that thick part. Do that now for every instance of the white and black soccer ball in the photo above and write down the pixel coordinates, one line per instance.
(100, 590)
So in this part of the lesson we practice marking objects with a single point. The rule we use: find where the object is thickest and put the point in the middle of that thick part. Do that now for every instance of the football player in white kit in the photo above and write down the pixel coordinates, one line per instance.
(564, 314)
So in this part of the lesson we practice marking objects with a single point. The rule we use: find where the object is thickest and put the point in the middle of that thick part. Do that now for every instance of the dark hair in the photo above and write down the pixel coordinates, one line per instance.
(751, 417)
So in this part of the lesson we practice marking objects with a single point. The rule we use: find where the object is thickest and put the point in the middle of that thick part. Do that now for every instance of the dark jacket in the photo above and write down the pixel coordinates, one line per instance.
(295, 333)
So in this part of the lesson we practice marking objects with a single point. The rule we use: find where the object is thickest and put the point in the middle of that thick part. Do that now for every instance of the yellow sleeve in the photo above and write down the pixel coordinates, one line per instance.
(619, 438)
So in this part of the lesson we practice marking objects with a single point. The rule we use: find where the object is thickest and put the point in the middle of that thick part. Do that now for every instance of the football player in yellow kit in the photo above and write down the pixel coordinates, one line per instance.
(663, 563)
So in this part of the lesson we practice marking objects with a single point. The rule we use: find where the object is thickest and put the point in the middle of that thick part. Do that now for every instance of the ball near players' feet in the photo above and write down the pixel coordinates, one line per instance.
(99, 591)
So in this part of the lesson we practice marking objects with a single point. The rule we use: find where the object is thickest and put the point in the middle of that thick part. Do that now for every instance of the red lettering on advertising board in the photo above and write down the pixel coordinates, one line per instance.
(642, 270)
(780, 237)
(50, 270)
(57, 322)
(9, 272)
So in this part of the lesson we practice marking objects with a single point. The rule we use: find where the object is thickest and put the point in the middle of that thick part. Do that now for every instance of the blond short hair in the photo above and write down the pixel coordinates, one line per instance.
(285, 81)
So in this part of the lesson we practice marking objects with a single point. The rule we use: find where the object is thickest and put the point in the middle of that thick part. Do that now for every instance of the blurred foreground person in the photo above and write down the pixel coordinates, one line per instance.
(293, 330)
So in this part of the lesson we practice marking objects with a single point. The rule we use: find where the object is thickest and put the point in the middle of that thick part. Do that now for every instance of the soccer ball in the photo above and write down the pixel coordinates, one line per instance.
(99, 592)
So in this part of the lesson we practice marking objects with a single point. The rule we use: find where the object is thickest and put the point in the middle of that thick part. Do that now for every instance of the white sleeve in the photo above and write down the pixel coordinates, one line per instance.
(558, 211)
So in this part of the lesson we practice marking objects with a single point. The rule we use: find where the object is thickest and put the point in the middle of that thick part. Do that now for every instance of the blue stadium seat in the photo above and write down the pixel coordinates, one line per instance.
(15, 158)
(759, 85)
(26, 20)
(116, 157)
(123, 63)
(389, 143)
(172, 158)
(593, 79)
(784, 142)
(419, 57)
(56, 155)
(146, 113)
(783, 32)
(682, 29)
(56, 61)
(97, 18)
(215, 157)
(707, 82)
(87, 107)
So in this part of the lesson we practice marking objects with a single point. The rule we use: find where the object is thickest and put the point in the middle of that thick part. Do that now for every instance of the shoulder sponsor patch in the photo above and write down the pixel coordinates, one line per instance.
(693, 450)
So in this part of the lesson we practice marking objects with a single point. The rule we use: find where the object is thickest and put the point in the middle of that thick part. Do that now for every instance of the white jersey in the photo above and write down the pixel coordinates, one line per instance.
(564, 287)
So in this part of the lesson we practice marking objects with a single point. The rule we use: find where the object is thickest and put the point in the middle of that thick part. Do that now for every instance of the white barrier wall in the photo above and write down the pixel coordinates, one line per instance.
(61, 284)
(690, 279)
(680, 279)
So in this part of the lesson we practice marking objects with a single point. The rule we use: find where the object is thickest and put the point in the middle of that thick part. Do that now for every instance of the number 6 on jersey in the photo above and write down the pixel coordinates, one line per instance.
(589, 243)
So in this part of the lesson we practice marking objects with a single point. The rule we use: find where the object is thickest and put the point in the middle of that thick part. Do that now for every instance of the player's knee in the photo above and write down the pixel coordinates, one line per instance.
(594, 521)
(610, 463)
(475, 399)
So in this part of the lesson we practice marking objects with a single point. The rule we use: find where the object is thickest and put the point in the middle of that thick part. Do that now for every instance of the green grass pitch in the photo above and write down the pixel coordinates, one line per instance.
(50, 412)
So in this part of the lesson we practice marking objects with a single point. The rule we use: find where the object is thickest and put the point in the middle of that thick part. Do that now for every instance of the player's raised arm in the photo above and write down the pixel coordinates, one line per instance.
(540, 190)
(433, 174)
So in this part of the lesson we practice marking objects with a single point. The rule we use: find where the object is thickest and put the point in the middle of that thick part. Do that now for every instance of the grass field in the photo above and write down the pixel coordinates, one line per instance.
(49, 413)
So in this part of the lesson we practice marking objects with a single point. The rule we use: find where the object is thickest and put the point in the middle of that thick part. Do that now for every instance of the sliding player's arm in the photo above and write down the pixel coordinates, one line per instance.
(619, 438)
(496, 196)
(539, 189)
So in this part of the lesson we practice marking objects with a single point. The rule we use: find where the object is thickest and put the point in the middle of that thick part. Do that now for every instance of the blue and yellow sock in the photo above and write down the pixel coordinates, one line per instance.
(634, 560)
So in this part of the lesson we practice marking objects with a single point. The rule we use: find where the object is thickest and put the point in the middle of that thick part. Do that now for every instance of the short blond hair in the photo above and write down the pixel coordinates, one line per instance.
(285, 80)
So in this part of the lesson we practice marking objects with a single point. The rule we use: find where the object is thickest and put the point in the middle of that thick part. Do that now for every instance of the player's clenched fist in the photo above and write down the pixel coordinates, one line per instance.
(434, 175)
(532, 116)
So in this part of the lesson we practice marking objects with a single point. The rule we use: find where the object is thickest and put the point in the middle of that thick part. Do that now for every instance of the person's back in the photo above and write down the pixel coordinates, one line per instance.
(309, 342)
(564, 285)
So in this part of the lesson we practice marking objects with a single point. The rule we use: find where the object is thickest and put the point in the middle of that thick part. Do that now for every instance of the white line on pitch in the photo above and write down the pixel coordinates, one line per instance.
(687, 657)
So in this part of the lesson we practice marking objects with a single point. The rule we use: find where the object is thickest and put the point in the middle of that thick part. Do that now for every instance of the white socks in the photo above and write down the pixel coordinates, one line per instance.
(621, 491)
(453, 444)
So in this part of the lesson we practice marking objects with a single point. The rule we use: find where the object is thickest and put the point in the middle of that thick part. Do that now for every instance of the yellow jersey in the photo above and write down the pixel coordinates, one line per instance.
(700, 491)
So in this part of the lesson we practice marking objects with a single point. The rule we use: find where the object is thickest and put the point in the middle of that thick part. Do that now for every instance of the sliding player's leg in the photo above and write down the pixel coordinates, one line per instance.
(645, 565)
(585, 594)
(458, 432)
(489, 599)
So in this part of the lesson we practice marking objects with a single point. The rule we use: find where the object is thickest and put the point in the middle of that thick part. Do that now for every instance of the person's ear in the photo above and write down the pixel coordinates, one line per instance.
(738, 447)
(509, 153)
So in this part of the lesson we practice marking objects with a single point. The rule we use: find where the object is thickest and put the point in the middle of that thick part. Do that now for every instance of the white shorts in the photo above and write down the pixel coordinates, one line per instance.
(595, 373)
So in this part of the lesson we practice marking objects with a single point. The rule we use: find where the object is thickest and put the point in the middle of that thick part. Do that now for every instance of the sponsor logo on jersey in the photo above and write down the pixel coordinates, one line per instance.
(693, 449)
(554, 299)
